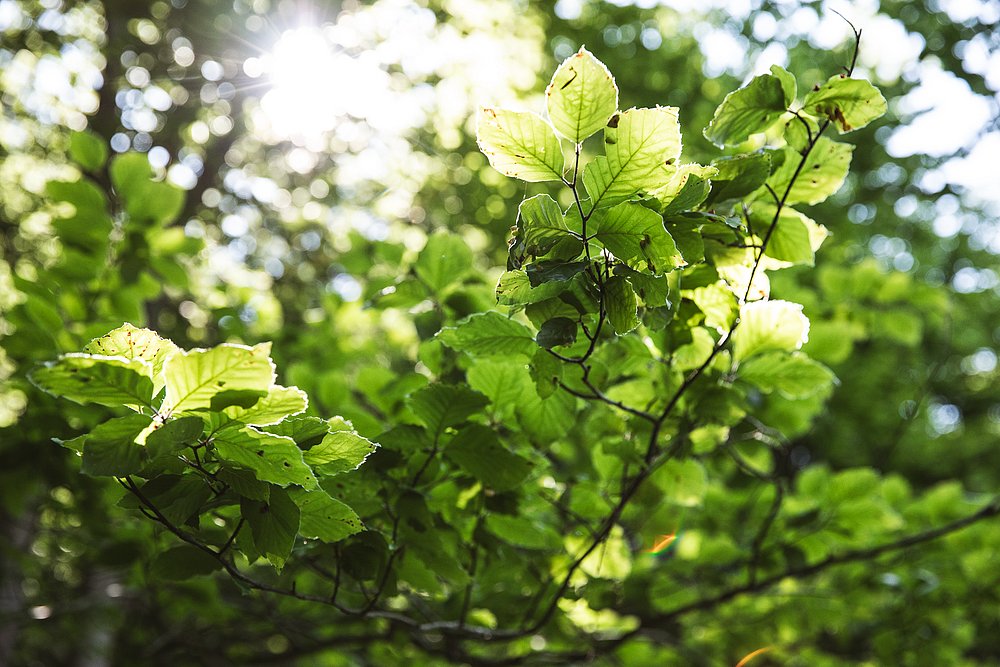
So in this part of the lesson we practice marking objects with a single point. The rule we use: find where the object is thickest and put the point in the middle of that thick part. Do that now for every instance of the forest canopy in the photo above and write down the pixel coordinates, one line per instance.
(489, 333)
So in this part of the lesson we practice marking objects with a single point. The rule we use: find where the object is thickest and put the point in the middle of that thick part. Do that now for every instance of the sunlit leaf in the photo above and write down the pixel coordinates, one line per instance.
(581, 97)
(272, 458)
(749, 110)
(641, 148)
(324, 518)
(338, 452)
(195, 377)
(90, 378)
(769, 325)
(822, 174)
(850, 103)
(792, 375)
(633, 232)
(520, 144)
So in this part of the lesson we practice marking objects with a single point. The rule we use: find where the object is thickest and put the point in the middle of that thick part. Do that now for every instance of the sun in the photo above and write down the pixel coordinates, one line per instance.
(302, 103)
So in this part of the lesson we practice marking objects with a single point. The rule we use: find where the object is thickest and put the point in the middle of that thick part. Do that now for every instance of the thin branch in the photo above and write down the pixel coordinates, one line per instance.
(852, 556)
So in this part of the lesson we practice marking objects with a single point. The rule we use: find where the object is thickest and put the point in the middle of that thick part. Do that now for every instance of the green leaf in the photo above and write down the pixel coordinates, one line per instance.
(272, 458)
(129, 171)
(794, 376)
(339, 452)
(769, 325)
(738, 176)
(717, 302)
(506, 384)
(651, 290)
(523, 532)
(489, 334)
(686, 188)
(88, 378)
(621, 305)
(110, 450)
(274, 525)
(305, 431)
(546, 372)
(88, 150)
(183, 562)
(547, 271)
(134, 343)
(555, 332)
(749, 110)
(477, 451)
(520, 144)
(683, 483)
(439, 406)
(145, 199)
(822, 174)
(633, 232)
(788, 85)
(581, 97)
(549, 418)
(323, 517)
(279, 403)
(641, 146)
(796, 237)
(444, 261)
(542, 226)
(514, 289)
(850, 103)
(173, 436)
(176, 497)
(194, 377)
(244, 483)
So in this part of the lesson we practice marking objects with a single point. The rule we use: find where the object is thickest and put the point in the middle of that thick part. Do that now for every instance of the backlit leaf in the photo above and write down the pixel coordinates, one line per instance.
(749, 110)
(581, 97)
(850, 103)
(641, 146)
(489, 334)
(769, 325)
(194, 377)
(520, 144)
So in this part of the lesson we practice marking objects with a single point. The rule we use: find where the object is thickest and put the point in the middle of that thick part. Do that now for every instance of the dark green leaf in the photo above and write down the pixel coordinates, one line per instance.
(274, 524)
(183, 562)
(88, 378)
(111, 450)
(174, 435)
(738, 176)
(633, 232)
(439, 406)
(543, 272)
(478, 452)
(620, 304)
(555, 332)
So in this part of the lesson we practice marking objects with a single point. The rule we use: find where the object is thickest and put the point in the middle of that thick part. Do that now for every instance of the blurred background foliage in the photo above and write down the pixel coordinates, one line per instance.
(295, 157)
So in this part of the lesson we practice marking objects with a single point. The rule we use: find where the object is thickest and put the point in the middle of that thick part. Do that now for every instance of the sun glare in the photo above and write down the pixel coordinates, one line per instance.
(302, 101)
(316, 83)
